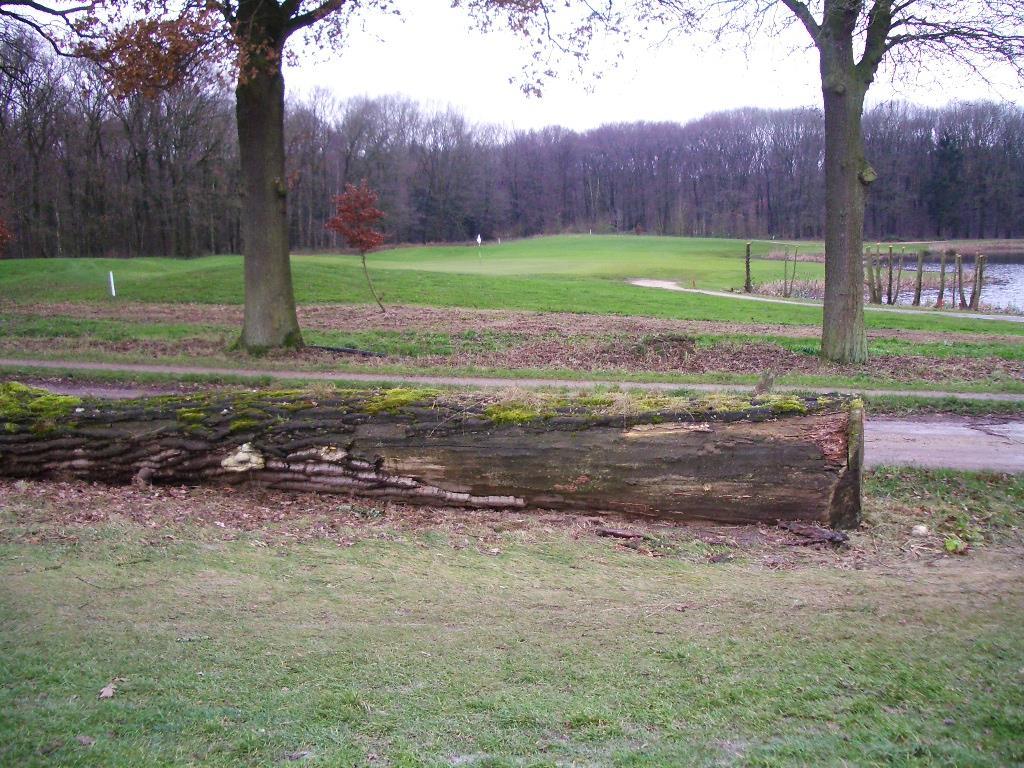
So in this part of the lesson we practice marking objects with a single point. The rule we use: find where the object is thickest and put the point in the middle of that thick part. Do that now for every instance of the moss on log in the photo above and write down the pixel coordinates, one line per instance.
(735, 459)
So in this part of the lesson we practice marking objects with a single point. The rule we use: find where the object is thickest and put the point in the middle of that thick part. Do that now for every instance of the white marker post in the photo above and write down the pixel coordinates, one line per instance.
(479, 250)
(113, 291)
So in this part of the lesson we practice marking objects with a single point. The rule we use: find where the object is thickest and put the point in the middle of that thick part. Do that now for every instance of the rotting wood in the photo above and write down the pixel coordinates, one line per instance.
(621, 533)
(732, 459)
(814, 534)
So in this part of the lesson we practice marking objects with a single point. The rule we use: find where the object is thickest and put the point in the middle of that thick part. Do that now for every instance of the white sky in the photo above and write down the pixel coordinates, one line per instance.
(431, 56)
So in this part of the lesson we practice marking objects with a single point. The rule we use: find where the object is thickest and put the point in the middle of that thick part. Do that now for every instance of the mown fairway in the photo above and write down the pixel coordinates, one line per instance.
(567, 274)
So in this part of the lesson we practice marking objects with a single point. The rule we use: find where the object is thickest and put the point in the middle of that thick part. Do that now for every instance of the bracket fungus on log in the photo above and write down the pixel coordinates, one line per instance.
(731, 459)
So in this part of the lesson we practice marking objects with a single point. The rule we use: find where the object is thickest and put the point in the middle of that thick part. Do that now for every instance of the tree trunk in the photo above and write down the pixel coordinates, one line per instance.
(762, 460)
(270, 319)
(847, 176)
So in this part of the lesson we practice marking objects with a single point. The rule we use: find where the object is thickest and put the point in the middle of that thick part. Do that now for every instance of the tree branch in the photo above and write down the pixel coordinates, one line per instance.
(803, 13)
(309, 18)
(877, 37)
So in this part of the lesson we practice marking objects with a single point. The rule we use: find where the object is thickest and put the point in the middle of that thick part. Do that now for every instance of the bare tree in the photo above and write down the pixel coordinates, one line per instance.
(54, 21)
(84, 172)
(853, 38)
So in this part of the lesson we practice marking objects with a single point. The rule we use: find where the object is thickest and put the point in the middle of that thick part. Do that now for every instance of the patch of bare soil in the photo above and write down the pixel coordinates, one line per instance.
(128, 348)
(680, 354)
(357, 317)
(85, 385)
(658, 353)
(42, 511)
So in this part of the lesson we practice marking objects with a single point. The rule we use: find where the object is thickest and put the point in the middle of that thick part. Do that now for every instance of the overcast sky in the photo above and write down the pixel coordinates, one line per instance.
(432, 57)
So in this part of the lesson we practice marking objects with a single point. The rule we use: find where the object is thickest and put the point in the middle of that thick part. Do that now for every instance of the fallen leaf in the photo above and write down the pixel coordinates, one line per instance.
(297, 755)
(107, 691)
(85, 741)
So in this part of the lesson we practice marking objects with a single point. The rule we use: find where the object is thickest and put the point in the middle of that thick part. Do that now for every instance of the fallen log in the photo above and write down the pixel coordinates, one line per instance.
(765, 459)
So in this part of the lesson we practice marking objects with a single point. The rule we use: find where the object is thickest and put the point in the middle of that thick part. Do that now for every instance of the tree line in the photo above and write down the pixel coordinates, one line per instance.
(86, 172)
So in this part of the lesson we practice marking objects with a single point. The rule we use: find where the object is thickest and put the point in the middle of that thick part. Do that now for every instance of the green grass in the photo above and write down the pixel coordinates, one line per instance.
(291, 372)
(503, 647)
(896, 405)
(569, 274)
(707, 262)
(440, 345)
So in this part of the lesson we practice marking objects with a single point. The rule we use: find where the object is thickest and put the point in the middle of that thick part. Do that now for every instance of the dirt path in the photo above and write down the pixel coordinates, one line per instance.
(672, 285)
(457, 320)
(474, 381)
(968, 443)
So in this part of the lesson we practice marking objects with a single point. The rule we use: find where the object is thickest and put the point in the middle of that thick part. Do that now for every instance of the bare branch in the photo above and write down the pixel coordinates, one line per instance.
(805, 17)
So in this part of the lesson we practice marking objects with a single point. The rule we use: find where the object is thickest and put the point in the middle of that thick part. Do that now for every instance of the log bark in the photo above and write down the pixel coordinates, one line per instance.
(766, 459)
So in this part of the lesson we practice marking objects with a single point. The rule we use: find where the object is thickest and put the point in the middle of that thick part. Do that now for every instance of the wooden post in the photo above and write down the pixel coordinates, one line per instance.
(942, 281)
(787, 288)
(869, 270)
(899, 276)
(960, 279)
(979, 281)
(792, 279)
(952, 289)
(920, 278)
(888, 289)
(748, 286)
(878, 273)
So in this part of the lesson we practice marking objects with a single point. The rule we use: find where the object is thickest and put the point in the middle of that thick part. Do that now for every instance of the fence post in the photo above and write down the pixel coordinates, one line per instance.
(979, 281)
(920, 278)
(748, 287)
(942, 281)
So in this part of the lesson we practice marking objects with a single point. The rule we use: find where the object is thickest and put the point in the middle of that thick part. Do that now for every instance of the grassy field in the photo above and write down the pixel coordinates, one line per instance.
(59, 310)
(239, 627)
(259, 629)
(980, 364)
(565, 274)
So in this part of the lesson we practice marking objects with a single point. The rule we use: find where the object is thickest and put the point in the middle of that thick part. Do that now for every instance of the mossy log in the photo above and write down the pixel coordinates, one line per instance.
(764, 459)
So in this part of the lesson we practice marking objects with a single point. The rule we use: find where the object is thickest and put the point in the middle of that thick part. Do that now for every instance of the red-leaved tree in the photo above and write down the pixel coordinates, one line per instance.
(356, 213)
(6, 236)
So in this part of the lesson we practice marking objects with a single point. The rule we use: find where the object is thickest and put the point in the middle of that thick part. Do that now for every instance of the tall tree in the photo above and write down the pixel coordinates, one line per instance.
(853, 38)
(149, 43)
(944, 185)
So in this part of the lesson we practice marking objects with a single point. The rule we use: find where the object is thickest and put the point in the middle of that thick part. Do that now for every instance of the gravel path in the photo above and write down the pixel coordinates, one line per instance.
(943, 442)
(476, 381)
(671, 285)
